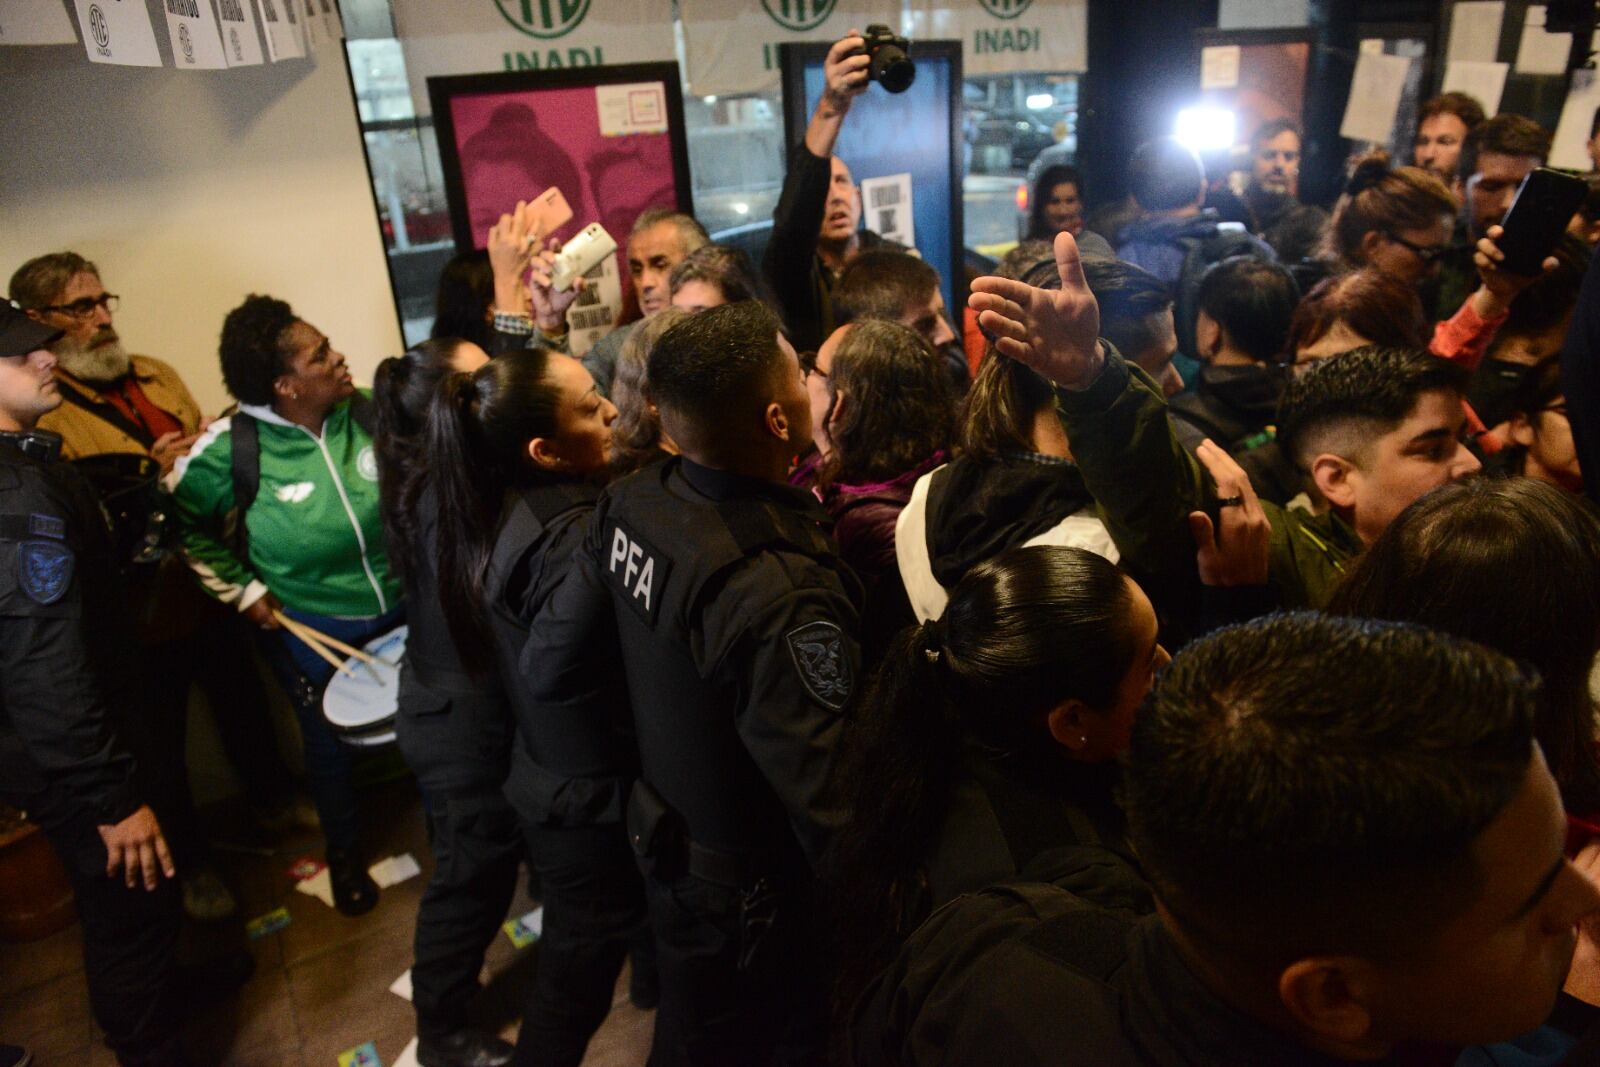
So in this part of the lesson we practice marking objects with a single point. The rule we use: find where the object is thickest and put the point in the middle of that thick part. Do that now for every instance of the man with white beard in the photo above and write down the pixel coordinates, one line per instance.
(114, 402)
(118, 410)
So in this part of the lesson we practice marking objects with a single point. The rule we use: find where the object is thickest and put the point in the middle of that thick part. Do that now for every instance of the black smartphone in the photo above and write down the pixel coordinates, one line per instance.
(1538, 217)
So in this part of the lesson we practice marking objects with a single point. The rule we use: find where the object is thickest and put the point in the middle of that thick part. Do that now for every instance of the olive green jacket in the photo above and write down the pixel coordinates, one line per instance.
(1146, 484)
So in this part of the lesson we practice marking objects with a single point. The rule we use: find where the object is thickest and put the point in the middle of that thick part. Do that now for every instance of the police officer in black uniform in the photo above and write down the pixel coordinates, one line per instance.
(569, 783)
(737, 627)
(66, 684)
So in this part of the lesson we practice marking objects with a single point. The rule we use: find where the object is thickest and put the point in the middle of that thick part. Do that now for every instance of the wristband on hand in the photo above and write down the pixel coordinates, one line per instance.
(513, 322)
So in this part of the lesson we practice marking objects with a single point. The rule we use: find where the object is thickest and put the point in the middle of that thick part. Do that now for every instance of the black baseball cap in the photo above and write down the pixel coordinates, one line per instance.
(19, 334)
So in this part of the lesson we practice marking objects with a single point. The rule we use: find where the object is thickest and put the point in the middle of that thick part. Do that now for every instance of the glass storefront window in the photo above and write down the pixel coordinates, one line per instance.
(736, 159)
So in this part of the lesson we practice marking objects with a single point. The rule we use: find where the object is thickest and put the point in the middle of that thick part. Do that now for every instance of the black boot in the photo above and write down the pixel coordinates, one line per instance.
(354, 891)
(464, 1048)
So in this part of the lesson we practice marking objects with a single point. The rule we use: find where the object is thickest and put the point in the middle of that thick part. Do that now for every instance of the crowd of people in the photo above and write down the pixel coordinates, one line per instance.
(1186, 657)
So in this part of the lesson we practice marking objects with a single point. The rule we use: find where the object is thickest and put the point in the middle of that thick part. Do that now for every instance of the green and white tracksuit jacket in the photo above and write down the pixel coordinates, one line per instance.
(315, 536)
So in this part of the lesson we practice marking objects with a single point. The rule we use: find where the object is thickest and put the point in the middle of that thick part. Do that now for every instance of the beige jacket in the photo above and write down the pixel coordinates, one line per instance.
(85, 432)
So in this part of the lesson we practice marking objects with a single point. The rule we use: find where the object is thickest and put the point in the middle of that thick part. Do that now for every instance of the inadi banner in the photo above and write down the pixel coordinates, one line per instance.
(1008, 36)
(480, 36)
(733, 44)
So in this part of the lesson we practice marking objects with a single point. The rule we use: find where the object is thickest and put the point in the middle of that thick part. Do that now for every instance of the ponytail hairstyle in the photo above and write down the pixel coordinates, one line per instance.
(402, 389)
(478, 430)
(1022, 633)
(1386, 200)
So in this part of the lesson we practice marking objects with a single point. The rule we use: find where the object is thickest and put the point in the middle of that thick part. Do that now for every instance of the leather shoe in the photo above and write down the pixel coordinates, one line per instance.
(354, 891)
(464, 1048)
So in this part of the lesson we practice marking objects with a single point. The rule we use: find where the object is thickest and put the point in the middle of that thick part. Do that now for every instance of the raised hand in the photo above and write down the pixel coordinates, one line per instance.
(550, 306)
(1238, 553)
(845, 69)
(512, 243)
(1054, 331)
(1500, 286)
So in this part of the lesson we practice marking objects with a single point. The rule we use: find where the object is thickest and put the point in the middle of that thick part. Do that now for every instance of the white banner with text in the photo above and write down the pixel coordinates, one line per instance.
(1008, 36)
(733, 44)
(483, 36)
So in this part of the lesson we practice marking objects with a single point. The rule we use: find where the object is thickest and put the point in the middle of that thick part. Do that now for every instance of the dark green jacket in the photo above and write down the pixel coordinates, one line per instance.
(1146, 484)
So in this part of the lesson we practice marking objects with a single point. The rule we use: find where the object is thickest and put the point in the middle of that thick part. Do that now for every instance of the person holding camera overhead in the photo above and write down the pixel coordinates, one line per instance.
(815, 225)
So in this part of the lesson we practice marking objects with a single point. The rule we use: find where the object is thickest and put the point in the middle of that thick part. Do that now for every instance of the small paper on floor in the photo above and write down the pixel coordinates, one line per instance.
(394, 870)
(363, 1055)
(318, 885)
(270, 923)
(401, 987)
(525, 930)
(386, 872)
(408, 1055)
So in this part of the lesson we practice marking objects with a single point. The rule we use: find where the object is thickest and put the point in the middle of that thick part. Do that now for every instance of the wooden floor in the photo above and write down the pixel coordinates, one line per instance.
(321, 985)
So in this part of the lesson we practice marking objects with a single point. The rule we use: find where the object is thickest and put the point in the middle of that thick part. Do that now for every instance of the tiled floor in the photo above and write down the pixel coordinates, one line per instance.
(321, 985)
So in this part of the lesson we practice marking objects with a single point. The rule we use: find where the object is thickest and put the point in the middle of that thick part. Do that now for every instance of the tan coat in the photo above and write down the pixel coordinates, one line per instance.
(85, 433)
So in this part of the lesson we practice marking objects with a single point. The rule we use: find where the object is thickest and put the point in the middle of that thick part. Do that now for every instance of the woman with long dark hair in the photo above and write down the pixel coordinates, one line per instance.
(986, 739)
(454, 728)
(1057, 203)
(463, 303)
(1011, 483)
(882, 419)
(1513, 564)
(516, 451)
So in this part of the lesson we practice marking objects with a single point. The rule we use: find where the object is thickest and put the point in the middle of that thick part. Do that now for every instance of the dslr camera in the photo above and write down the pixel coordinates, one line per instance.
(891, 65)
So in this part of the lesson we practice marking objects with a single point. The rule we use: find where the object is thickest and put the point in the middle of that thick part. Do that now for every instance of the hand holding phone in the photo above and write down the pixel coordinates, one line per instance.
(549, 212)
(1538, 217)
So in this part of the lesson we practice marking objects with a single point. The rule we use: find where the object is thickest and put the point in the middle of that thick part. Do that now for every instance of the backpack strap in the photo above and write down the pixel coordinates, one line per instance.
(245, 437)
(108, 412)
(365, 414)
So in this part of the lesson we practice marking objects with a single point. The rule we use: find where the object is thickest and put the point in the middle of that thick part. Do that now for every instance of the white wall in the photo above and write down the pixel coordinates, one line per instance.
(191, 189)
(1262, 14)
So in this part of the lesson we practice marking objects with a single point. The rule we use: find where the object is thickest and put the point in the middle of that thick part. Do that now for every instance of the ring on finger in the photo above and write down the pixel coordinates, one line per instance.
(1230, 502)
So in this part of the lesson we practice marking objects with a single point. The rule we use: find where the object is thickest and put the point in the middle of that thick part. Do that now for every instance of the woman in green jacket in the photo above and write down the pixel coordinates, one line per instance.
(313, 540)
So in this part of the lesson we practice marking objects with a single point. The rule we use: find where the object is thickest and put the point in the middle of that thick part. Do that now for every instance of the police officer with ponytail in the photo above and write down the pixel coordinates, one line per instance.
(514, 452)
(453, 725)
(735, 622)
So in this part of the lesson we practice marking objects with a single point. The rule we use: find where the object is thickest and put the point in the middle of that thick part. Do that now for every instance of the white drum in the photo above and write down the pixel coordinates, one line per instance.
(360, 701)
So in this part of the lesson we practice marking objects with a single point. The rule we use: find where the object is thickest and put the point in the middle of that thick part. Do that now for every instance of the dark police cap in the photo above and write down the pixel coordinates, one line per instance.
(19, 334)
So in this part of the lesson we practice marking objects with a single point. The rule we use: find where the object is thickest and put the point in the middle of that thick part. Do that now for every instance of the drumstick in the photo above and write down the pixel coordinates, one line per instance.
(339, 646)
(311, 642)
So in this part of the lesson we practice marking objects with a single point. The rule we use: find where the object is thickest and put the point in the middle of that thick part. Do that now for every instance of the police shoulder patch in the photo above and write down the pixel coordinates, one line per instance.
(821, 661)
(44, 570)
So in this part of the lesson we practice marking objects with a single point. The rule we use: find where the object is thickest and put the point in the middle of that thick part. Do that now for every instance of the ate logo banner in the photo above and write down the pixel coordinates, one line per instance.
(800, 15)
(544, 18)
(1006, 9)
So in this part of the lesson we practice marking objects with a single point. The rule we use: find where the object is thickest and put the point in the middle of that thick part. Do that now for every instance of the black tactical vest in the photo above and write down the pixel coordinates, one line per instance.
(666, 552)
(559, 775)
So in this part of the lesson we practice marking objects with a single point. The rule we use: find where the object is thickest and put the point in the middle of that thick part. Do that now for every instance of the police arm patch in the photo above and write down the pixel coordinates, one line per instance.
(44, 570)
(820, 659)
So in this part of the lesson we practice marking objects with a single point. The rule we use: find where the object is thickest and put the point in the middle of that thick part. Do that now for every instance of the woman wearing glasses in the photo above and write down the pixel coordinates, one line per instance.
(1397, 222)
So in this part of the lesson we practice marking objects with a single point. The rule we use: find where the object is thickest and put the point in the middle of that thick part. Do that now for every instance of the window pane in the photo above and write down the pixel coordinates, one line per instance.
(1013, 126)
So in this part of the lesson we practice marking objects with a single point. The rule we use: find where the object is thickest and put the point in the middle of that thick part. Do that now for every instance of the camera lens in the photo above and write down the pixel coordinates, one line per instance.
(893, 69)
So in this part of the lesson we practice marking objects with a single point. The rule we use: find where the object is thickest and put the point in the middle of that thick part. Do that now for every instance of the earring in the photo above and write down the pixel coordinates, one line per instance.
(293, 395)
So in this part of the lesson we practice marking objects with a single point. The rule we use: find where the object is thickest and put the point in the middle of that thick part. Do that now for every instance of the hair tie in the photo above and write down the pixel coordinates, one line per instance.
(933, 639)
